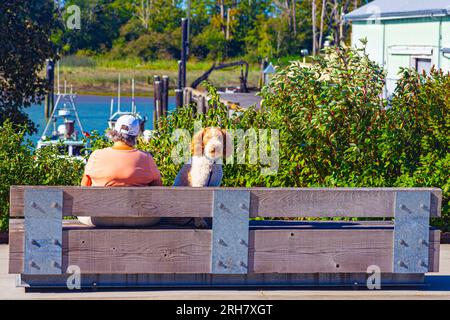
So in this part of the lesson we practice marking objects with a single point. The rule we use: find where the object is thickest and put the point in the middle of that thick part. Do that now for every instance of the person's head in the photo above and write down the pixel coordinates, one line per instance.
(125, 130)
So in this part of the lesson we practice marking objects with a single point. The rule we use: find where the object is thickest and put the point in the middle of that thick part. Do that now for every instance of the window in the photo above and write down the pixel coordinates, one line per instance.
(422, 64)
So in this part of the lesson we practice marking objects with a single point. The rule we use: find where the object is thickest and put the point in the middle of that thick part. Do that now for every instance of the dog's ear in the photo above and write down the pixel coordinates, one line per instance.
(197, 146)
(228, 147)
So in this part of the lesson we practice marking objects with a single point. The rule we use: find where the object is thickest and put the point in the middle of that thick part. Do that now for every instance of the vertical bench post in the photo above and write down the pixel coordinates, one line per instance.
(43, 232)
(411, 232)
(230, 232)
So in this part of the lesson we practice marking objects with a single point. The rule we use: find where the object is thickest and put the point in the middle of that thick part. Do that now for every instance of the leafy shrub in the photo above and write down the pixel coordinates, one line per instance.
(149, 46)
(209, 43)
(336, 129)
(21, 164)
(331, 117)
(418, 134)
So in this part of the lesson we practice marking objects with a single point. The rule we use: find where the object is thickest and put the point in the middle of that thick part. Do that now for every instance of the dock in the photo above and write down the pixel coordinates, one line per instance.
(233, 101)
(243, 100)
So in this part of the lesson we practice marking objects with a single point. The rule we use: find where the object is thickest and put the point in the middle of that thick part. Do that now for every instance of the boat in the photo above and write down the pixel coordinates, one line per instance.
(64, 129)
(116, 114)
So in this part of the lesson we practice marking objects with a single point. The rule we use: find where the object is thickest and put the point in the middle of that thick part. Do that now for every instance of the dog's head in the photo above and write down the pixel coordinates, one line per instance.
(213, 143)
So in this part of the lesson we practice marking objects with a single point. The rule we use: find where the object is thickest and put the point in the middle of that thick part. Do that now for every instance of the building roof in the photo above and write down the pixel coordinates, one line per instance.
(269, 69)
(399, 9)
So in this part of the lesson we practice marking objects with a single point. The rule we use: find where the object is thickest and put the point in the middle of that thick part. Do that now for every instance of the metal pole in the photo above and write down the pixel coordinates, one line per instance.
(58, 77)
(49, 99)
(188, 24)
(184, 48)
(118, 95)
(133, 100)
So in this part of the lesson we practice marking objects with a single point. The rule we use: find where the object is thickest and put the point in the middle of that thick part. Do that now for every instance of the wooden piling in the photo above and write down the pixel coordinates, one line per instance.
(157, 101)
(187, 97)
(201, 105)
(180, 75)
(178, 98)
(165, 95)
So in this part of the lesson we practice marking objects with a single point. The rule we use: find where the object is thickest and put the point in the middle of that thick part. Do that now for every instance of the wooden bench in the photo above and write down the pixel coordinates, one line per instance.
(234, 252)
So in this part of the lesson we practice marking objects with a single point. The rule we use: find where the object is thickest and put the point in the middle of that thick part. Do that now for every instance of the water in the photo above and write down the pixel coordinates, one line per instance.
(94, 112)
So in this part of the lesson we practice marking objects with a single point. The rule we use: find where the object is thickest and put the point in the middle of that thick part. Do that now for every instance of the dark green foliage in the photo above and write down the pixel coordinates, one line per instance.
(21, 164)
(25, 42)
(101, 21)
(419, 134)
(219, 30)
(336, 130)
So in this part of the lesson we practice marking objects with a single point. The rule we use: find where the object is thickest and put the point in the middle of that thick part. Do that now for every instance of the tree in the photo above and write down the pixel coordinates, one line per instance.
(101, 23)
(26, 30)
(218, 29)
(314, 27)
(143, 12)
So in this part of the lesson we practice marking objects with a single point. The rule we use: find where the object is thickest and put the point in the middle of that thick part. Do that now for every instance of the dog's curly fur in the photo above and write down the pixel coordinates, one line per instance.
(210, 147)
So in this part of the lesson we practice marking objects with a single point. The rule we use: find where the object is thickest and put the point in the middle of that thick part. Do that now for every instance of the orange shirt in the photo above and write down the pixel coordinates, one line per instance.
(117, 167)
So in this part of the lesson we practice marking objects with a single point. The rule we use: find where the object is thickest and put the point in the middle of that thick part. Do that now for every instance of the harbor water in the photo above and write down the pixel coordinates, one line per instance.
(94, 112)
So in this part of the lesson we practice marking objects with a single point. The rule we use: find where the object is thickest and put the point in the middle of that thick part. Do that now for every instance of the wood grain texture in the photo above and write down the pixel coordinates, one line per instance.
(197, 202)
(128, 251)
(257, 280)
(326, 251)
(349, 248)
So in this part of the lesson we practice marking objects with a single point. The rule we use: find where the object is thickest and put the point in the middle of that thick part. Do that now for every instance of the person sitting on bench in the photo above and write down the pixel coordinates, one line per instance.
(121, 165)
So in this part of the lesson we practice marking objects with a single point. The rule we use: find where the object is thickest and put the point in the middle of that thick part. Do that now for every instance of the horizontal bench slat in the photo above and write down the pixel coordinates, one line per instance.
(128, 251)
(291, 280)
(197, 202)
(302, 248)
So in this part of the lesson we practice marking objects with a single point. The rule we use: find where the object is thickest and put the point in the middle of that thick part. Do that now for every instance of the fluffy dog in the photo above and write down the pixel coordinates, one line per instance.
(210, 147)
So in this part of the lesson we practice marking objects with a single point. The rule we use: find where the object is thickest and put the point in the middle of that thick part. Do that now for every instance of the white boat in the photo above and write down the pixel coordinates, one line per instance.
(114, 115)
(64, 129)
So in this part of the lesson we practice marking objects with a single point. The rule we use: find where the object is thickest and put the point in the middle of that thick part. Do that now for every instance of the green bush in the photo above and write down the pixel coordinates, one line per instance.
(21, 164)
(331, 117)
(337, 130)
(418, 134)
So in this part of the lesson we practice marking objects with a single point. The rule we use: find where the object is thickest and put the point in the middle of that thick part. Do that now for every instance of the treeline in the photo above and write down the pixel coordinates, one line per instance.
(219, 29)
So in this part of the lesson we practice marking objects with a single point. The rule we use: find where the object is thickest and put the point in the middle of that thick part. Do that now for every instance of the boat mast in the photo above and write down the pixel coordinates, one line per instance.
(57, 63)
(118, 96)
(133, 102)
(111, 111)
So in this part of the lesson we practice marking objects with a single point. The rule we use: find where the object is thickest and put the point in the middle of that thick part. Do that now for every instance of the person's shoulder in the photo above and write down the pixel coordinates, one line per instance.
(145, 154)
(101, 151)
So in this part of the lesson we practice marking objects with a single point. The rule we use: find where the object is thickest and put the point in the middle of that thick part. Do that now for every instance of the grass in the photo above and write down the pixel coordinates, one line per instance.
(99, 75)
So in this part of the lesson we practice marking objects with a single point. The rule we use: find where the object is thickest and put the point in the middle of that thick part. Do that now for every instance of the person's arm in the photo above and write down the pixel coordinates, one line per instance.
(86, 181)
(156, 183)
(156, 180)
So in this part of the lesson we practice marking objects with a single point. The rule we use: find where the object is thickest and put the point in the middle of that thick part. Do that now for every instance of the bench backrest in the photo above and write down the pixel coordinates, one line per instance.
(264, 202)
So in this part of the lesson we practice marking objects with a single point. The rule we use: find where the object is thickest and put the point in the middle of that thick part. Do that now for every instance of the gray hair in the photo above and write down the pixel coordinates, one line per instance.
(116, 136)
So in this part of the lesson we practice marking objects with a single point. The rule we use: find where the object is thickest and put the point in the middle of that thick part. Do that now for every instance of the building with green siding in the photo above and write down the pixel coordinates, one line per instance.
(404, 33)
